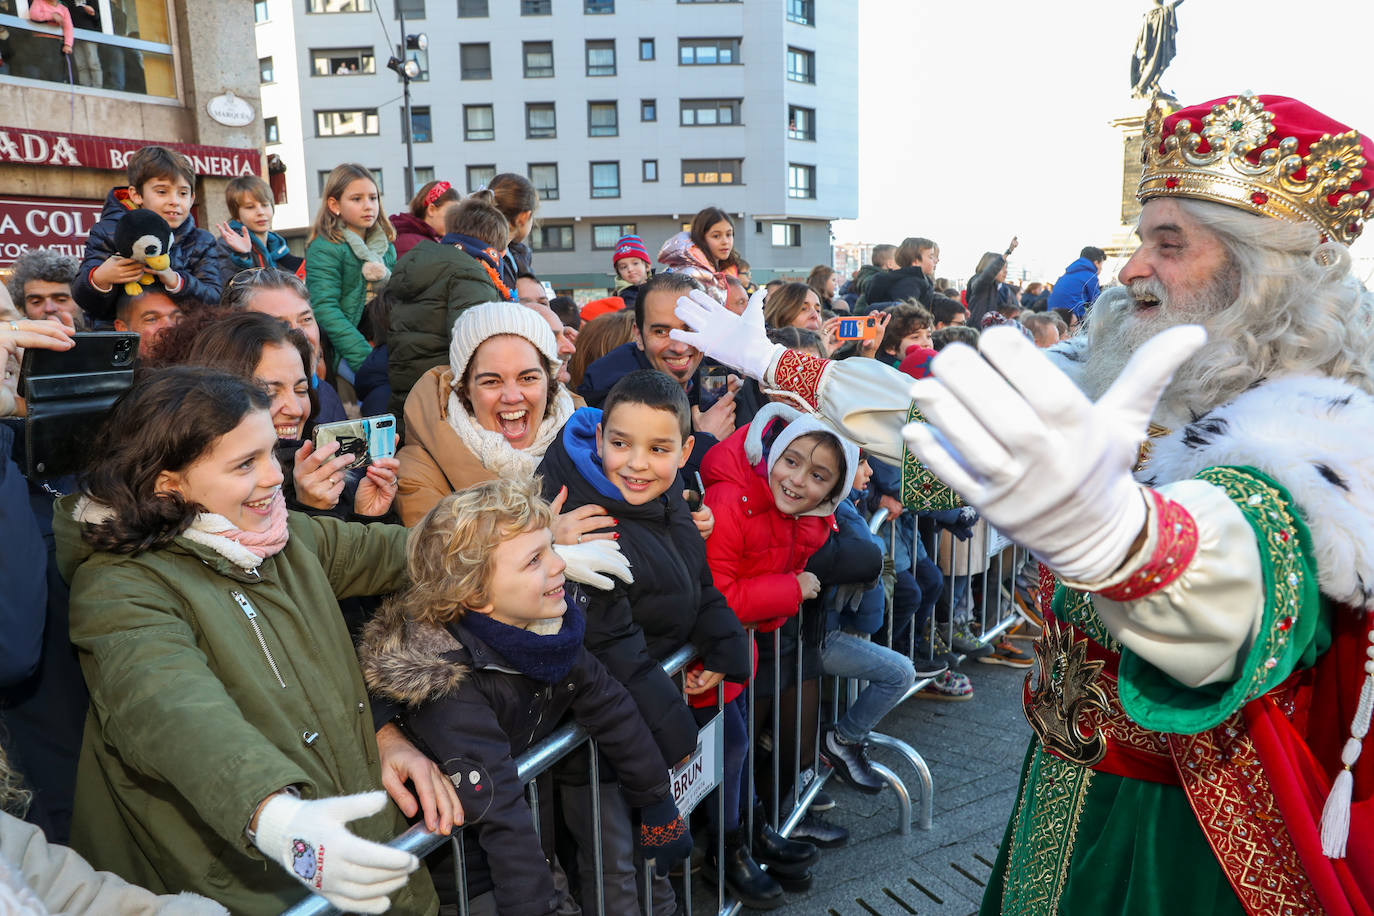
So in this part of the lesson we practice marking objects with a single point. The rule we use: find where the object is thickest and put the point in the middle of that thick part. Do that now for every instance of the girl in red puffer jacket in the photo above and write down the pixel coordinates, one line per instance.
(773, 487)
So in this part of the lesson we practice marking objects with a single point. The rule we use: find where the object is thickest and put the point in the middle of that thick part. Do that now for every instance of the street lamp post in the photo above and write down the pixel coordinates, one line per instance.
(407, 70)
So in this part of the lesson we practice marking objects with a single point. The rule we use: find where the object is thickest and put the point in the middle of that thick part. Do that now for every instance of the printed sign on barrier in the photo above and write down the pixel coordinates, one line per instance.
(701, 772)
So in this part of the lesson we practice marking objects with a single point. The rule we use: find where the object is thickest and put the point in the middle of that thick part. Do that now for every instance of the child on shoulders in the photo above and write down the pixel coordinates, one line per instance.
(247, 240)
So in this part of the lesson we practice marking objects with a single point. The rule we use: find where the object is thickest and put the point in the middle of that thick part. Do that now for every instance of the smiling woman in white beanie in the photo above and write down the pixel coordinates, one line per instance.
(491, 412)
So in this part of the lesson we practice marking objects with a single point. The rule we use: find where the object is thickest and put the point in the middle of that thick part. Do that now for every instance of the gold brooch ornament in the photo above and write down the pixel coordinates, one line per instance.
(1063, 688)
(1234, 159)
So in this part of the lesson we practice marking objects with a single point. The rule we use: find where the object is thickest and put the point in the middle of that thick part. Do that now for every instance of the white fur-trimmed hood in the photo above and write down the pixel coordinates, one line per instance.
(1313, 435)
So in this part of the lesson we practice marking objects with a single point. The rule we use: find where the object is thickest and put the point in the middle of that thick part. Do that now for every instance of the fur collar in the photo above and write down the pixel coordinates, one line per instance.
(402, 660)
(1311, 434)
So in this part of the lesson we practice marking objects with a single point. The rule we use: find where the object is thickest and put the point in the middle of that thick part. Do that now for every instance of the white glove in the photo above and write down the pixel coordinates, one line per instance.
(735, 340)
(593, 562)
(1015, 437)
(170, 279)
(309, 840)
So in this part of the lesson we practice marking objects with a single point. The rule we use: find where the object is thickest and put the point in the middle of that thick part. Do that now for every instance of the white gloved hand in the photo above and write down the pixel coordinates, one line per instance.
(170, 279)
(735, 340)
(1013, 436)
(309, 840)
(594, 562)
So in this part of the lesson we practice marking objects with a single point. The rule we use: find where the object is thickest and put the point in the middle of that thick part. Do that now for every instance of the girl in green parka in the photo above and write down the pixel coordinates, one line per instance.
(349, 259)
(229, 726)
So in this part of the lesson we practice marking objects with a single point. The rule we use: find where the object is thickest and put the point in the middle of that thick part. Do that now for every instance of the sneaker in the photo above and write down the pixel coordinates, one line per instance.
(965, 642)
(1005, 652)
(951, 686)
(850, 762)
(925, 666)
(942, 652)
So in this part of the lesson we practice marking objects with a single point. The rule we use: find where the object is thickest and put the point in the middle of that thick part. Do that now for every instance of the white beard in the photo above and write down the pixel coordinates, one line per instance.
(1117, 328)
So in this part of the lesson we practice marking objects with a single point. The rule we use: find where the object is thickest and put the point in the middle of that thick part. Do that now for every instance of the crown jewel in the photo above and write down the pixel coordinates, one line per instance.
(1244, 159)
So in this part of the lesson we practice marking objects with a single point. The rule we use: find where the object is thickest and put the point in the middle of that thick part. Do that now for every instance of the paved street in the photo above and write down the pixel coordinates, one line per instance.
(974, 751)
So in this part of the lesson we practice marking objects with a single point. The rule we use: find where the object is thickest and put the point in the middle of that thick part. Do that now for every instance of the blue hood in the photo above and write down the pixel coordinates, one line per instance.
(579, 440)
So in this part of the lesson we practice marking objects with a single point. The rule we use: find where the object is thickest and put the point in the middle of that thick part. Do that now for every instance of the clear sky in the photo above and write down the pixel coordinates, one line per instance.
(983, 119)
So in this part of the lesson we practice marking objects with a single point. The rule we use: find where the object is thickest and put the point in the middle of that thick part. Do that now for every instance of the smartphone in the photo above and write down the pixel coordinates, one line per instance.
(714, 381)
(68, 394)
(365, 439)
(858, 328)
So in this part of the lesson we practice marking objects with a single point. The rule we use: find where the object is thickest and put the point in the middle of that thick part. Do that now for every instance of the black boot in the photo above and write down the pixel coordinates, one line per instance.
(784, 857)
(746, 882)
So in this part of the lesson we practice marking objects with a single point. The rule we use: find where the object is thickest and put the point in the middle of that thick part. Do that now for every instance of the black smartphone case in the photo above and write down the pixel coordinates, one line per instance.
(69, 394)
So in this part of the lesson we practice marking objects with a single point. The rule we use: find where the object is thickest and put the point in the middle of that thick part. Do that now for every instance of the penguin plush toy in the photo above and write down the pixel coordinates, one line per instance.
(145, 237)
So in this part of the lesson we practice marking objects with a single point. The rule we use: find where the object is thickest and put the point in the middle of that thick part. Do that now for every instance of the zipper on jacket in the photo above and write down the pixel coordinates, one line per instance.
(252, 616)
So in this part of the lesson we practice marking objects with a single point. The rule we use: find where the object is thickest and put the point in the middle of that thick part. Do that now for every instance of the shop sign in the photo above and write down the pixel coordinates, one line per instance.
(45, 222)
(21, 146)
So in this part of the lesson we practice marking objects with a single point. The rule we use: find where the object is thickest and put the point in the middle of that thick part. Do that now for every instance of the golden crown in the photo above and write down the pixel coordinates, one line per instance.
(1283, 181)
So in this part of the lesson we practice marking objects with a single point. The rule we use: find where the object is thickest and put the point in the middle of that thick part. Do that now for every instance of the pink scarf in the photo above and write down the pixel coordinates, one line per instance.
(261, 544)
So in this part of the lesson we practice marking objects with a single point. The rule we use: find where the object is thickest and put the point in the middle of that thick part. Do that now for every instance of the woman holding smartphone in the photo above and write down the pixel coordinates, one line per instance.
(259, 347)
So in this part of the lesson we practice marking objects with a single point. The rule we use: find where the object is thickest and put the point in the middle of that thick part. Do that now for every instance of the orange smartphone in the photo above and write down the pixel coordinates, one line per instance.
(858, 328)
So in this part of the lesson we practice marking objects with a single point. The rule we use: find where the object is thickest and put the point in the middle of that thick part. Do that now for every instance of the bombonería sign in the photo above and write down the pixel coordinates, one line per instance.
(22, 146)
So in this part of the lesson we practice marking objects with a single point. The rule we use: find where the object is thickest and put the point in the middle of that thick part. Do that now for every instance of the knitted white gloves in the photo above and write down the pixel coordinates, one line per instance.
(735, 340)
(1044, 465)
(310, 841)
(594, 562)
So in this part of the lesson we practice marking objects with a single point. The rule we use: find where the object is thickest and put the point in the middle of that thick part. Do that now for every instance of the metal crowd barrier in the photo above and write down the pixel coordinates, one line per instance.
(569, 737)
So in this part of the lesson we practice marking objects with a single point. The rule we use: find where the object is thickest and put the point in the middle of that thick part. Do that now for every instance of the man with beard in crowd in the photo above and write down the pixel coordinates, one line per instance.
(1206, 672)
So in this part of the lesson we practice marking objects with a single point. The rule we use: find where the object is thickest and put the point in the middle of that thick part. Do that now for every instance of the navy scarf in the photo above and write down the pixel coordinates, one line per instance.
(543, 658)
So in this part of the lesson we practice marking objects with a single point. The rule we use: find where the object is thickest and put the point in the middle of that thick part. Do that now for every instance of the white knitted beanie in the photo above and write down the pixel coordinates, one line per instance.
(490, 319)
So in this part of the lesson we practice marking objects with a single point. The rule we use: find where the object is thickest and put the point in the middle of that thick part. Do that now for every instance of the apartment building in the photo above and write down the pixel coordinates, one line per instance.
(628, 115)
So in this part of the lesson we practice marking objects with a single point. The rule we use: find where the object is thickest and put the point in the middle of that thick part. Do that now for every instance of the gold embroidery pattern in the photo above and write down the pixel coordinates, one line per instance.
(1066, 691)
(1285, 577)
(1077, 609)
(1044, 835)
(1113, 723)
(922, 491)
(1230, 795)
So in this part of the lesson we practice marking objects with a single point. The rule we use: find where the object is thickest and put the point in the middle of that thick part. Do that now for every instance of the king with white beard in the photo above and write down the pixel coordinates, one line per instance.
(1194, 473)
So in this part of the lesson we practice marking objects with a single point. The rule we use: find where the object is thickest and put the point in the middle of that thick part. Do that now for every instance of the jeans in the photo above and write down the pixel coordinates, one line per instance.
(736, 753)
(889, 675)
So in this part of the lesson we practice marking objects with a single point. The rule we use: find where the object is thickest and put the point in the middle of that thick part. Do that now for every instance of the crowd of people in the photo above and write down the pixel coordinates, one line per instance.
(229, 643)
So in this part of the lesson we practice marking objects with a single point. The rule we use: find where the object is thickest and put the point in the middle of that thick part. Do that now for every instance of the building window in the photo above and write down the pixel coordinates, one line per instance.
(421, 130)
(801, 123)
(709, 112)
(801, 65)
(265, 74)
(538, 59)
(472, 9)
(323, 178)
(475, 61)
(603, 119)
(598, 7)
(552, 238)
(605, 235)
(649, 170)
(479, 176)
(424, 174)
(802, 12)
(801, 181)
(544, 177)
(260, 13)
(646, 49)
(479, 122)
(601, 58)
(707, 51)
(413, 9)
(605, 179)
(148, 69)
(342, 61)
(339, 6)
(648, 109)
(356, 123)
(540, 121)
(536, 7)
(711, 171)
(787, 235)
(272, 133)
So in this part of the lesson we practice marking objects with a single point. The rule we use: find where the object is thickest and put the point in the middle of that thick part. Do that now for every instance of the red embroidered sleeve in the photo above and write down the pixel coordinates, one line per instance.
(800, 373)
(1174, 550)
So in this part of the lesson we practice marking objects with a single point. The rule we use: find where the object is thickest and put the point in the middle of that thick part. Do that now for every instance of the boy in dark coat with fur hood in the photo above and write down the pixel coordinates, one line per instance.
(485, 652)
